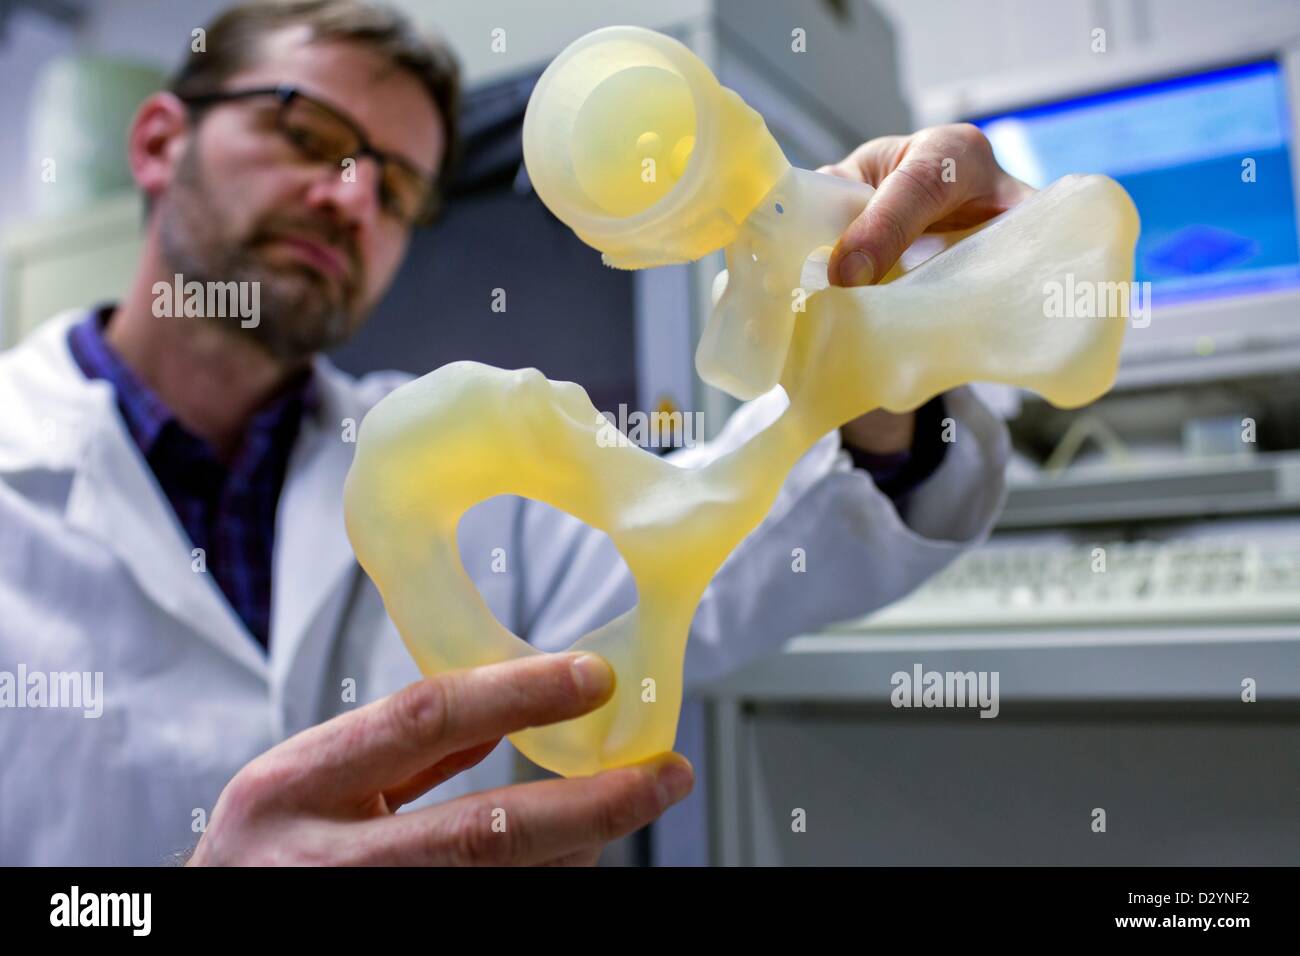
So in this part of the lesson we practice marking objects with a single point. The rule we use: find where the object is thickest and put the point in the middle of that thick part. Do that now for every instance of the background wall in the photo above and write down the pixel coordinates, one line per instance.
(941, 42)
(948, 41)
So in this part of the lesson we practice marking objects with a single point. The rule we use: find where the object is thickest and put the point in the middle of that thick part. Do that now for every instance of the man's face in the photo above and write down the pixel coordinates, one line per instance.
(245, 205)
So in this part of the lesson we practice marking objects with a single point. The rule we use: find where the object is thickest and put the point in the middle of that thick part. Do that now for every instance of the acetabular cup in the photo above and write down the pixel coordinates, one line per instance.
(631, 141)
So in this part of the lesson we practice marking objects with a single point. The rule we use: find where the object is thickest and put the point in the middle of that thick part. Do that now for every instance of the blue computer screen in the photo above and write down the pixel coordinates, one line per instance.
(1212, 223)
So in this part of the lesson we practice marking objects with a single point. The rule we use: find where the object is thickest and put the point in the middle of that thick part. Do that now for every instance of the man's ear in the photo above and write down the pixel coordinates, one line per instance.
(159, 135)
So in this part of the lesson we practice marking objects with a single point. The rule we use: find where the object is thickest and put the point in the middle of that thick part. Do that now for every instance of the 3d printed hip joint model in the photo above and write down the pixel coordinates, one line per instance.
(615, 104)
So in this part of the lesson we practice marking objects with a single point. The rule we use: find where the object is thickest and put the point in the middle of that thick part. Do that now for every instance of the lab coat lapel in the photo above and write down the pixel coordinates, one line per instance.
(314, 567)
(115, 498)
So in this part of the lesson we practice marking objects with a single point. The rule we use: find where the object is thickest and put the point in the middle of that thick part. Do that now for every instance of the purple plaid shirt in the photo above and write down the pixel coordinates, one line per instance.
(227, 510)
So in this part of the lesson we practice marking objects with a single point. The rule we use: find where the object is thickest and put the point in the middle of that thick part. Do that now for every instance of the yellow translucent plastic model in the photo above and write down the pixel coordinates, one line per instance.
(468, 432)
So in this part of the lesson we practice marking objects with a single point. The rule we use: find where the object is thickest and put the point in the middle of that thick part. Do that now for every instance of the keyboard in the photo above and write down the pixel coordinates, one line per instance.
(1202, 581)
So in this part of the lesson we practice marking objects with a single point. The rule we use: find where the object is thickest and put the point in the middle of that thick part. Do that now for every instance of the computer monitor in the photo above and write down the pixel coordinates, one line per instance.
(1207, 160)
(1207, 150)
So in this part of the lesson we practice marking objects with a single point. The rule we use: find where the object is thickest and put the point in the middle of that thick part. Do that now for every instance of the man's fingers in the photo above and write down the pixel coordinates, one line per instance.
(934, 174)
(872, 161)
(422, 782)
(534, 823)
(589, 856)
(384, 744)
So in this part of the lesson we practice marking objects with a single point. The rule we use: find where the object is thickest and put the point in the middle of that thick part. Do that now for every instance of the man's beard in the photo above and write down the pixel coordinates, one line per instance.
(302, 311)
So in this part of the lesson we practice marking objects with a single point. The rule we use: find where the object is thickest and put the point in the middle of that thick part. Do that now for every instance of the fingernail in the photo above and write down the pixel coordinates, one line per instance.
(673, 780)
(593, 676)
(855, 269)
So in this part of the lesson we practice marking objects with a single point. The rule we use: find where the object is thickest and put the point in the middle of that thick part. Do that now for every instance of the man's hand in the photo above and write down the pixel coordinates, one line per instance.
(936, 180)
(329, 794)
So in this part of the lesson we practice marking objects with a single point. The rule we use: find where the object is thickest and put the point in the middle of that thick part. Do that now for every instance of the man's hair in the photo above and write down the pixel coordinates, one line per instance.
(233, 43)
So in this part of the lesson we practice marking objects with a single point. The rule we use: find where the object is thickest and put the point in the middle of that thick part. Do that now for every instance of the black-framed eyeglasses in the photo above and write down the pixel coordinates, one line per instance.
(322, 134)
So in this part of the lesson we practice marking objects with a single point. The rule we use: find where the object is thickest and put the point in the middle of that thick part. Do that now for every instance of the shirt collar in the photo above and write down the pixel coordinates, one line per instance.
(145, 413)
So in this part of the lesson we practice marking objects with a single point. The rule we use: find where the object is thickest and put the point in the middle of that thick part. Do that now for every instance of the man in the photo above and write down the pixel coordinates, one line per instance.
(170, 493)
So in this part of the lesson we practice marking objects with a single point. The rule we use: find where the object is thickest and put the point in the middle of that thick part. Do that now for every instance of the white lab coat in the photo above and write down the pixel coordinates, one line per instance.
(96, 575)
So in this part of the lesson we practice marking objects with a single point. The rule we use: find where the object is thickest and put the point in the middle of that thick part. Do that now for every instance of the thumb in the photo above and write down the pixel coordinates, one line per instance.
(908, 201)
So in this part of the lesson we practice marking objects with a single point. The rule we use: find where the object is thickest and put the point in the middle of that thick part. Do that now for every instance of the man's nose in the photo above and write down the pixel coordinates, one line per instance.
(352, 190)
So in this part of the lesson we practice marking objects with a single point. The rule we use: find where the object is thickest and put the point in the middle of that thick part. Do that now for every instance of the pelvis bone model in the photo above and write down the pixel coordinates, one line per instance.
(631, 142)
